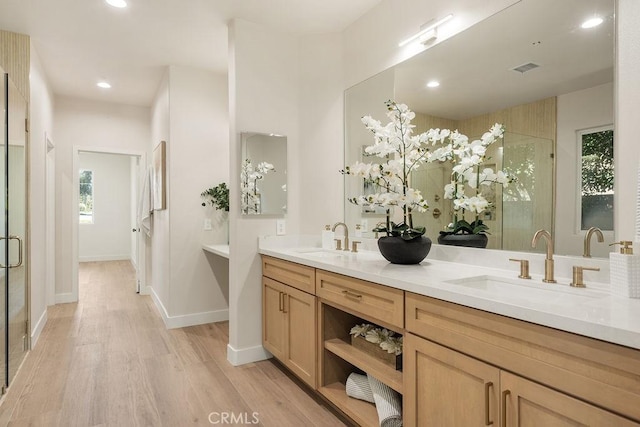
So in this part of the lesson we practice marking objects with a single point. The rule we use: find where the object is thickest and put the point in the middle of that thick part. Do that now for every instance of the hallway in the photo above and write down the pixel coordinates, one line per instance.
(109, 361)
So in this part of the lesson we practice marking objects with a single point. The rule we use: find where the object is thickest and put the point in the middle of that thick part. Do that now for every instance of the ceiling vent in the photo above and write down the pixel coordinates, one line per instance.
(525, 67)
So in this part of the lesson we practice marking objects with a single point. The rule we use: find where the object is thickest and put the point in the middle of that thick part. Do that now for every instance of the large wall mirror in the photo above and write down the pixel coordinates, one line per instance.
(263, 174)
(533, 68)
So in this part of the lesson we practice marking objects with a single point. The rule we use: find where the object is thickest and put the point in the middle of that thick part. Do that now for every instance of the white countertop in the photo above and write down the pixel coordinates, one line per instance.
(221, 250)
(591, 311)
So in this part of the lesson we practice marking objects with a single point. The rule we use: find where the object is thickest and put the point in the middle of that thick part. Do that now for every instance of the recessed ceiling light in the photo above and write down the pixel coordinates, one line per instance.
(593, 22)
(117, 3)
(433, 83)
(104, 85)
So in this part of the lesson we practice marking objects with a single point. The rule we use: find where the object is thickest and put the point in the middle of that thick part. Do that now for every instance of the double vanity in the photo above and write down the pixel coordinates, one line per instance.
(481, 346)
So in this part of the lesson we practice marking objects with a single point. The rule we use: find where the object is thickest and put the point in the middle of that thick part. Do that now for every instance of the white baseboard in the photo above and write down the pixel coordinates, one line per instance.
(65, 298)
(173, 322)
(246, 355)
(94, 258)
(37, 330)
(145, 290)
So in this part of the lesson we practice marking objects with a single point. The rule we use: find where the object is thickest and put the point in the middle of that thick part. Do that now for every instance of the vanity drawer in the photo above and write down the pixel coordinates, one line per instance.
(369, 299)
(292, 274)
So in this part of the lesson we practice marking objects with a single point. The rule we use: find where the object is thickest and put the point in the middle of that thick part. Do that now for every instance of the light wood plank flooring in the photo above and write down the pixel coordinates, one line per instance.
(109, 361)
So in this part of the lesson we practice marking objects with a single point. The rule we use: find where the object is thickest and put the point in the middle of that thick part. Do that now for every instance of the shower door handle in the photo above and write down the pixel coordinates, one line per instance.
(19, 252)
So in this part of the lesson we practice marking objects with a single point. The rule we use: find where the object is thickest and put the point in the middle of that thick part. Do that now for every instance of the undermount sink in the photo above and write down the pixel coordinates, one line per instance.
(528, 289)
(335, 254)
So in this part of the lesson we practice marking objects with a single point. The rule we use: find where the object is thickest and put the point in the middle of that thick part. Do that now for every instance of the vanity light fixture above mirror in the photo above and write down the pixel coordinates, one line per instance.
(428, 31)
(117, 3)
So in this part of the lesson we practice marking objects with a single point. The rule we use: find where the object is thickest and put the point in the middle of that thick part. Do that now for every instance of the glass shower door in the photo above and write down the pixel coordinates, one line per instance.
(12, 258)
(4, 283)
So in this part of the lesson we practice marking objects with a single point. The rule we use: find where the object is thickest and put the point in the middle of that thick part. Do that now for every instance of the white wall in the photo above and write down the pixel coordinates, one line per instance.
(264, 97)
(157, 248)
(87, 124)
(190, 113)
(321, 132)
(109, 237)
(578, 110)
(627, 128)
(41, 122)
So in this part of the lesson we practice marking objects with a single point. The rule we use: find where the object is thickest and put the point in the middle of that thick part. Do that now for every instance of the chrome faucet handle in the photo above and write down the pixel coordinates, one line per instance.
(578, 279)
(338, 244)
(524, 268)
(354, 246)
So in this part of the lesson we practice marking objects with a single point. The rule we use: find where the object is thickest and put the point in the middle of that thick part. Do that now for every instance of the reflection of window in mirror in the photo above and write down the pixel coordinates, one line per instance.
(596, 146)
(86, 196)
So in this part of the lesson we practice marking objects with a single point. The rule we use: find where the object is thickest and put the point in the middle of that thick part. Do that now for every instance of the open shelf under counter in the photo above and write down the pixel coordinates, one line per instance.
(220, 250)
(363, 413)
(366, 362)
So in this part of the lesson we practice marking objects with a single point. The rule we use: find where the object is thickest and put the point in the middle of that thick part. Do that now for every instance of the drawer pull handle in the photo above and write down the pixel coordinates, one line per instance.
(285, 298)
(503, 417)
(281, 301)
(487, 416)
(350, 294)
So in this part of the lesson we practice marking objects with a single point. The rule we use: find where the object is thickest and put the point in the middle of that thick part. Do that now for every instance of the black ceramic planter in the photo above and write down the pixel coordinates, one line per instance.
(396, 250)
(466, 240)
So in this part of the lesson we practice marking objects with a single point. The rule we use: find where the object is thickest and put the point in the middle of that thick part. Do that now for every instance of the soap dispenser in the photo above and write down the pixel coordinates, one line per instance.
(624, 271)
(327, 237)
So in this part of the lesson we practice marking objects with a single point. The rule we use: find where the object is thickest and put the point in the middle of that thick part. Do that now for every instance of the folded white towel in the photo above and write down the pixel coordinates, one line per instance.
(145, 205)
(387, 402)
(359, 388)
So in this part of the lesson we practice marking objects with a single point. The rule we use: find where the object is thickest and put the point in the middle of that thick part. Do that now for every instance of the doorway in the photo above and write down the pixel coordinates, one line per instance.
(107, 184)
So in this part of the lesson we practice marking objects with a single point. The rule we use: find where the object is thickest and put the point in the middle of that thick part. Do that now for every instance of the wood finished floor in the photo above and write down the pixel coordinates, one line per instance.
(109, 361)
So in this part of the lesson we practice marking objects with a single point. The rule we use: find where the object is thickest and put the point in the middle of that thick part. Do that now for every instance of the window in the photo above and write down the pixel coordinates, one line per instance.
(86, 196)
(596, 146)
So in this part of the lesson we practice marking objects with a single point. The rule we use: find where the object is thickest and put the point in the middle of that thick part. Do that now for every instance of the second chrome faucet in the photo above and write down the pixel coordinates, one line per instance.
(548, 262)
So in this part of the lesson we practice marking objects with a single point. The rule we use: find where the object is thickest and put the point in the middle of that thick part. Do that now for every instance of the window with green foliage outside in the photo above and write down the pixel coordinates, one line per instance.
(86, 197)
(597, 178)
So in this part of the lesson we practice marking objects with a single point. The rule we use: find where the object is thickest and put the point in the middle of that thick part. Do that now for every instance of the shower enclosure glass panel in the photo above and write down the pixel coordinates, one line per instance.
(13, 223)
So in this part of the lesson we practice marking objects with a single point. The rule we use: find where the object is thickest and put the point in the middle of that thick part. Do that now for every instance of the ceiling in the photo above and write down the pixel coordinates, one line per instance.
(475, 67)
(81, 42)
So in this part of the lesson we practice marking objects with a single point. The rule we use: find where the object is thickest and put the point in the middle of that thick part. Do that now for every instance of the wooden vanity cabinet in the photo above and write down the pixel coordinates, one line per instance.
(344, 302)
(463, 366)
(446, 388)
(289, 318)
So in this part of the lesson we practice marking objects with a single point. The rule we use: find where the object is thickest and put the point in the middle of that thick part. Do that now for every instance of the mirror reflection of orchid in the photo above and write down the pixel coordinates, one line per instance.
(402, 153)
(467, 174)
(249, 177)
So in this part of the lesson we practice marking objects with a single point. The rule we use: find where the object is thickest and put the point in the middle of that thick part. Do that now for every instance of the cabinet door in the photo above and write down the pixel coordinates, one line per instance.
(273, 318)
(530, 404)
(300, 312)
(445, 388)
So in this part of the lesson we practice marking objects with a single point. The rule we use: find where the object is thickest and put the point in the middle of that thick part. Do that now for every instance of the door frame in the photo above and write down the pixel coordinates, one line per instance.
(142, 165)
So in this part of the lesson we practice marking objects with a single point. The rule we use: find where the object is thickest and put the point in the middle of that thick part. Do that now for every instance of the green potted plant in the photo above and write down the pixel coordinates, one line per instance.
(468, 176)
(217, 196)
(400, 153)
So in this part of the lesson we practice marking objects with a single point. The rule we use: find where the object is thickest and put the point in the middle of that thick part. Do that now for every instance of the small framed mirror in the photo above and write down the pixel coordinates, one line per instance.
(263, 174)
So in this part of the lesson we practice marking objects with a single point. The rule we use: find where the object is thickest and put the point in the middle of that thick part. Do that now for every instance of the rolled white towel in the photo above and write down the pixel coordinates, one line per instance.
(387, 403)
(359, 388)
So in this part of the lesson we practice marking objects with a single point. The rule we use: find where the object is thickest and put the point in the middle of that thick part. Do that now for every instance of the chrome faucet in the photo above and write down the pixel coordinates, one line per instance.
(587, 240)
(548, 262)
(346, 234)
